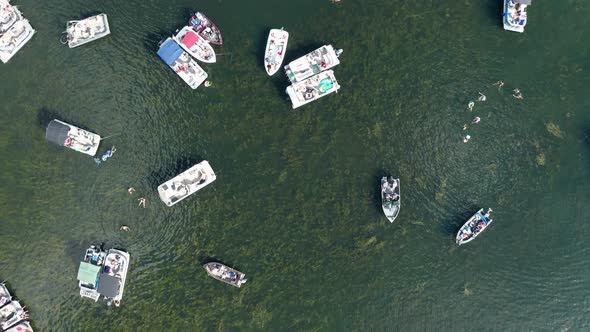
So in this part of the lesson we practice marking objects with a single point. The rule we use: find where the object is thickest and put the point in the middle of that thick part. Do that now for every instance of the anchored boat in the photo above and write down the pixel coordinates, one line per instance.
(313, 88)
(196, 46)
(23, 326)
(474, 226)
(19, 33)
(390, 197)
(181, 62)
(515, 14)
(84, 31)
(276, 45)
(206, 28)
(225, 273)
(186, 183)
(72, 137)
(5, 296)
(313, 63)
(103, 274)
(11, 314)
(8, 16)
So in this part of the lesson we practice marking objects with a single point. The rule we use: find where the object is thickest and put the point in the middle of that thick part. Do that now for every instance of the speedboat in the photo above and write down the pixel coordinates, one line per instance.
(8, 16)
(10, 314)
(23, 326)
(474, 226)
(84, 31)
(390, 197)
(103, 274)
(181, 62)
(226, 274)
(515, 14)
(5, 296)
(186, 183)
(196, 46)
(15, 38)
(276, 45)
(313, 63)
(72, 137)
(312, 88)
(206, 28)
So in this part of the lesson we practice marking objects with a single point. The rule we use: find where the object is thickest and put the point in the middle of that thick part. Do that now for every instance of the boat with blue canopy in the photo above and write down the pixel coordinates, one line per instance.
(182, 63)
(474, 226)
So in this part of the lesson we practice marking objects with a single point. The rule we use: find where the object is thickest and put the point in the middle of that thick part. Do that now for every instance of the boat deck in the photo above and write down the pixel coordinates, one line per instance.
(313, 88)
(87, 30)
(312, 63)
(187, 183)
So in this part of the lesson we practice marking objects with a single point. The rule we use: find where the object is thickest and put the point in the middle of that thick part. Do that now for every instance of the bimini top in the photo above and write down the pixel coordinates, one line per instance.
(170, 51)
(524, 2)
(190, 39)
(87, 273)
(57, 132)
(109, 285)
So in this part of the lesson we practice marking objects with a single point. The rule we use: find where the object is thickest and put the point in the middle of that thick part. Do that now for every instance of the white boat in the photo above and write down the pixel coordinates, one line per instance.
(84, 31)
(515, 14)
(276, 47)
(312, 88)
(474, 226)
(23, 326)
(8, 16)
(313, 63)
(5, 296)
(64, 134)
(182, 63)
(226, 274)
(186, 183)
(390, 197)
(195, 45)
(15, 38)
(11, 314)
(103, 274)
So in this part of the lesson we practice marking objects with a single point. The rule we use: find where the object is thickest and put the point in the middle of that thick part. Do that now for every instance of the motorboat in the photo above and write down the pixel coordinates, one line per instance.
(313, 88)
(195, 45)
(515, 14)
(11, 314)
(15, 38)
(72, 137)
(5, 296)
(186, 183)
(8, 16)
(474, 226)
(323, 58)
(103, 274)
(226, 274)
(23, 326)
(182, 63)
(390, 197)
(276, 47)
(206, 28)
(84, 31)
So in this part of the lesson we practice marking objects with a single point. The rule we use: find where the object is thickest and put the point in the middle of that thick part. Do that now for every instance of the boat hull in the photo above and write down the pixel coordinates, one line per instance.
(469, 231)
(312, 89)
(96, 26)
(225, 274)
(201, 50)
(186, 183)
(506, 22)
(389, 203)
(276, 47)
(22, 39)
(206, 28)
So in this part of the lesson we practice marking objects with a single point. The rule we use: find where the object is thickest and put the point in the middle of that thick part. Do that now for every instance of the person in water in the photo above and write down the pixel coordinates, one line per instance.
(124, 228)
(131, 190)
(466, 138)
(470, 105)
(482, 97)
(500, 84)
(142, 202)
(517, 94)
(476, 119)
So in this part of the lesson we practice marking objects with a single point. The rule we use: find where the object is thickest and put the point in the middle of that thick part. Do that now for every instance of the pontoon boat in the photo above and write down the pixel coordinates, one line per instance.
(312, 88)
(64, 134)
(206, 28)
(195, 45)
(276, 47)
(390, 197)
(474, 226)
(8, 16)
(15, 38)
(186, 183)
(181, 62)
(84, 31)
(515, 14)
(225, 273)
(313, 63)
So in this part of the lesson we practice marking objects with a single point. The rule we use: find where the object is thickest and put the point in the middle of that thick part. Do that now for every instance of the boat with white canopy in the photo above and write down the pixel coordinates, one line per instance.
(182, 63)
(15, 38)
(195, 45)
(186, 183)
(84, 31)
(313, 88)
(225, 274)
(276, 47)
(323, 58)
(72, 137)
(515, 14)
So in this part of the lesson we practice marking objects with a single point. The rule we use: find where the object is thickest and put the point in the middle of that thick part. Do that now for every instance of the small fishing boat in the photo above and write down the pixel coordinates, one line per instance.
(313, 88)
(515, 14)
(72, 137)
(206, 28)
(84, 31)
(186, 183)
(196, 46)
(390, 197)
(23, 326)
(8, 16)
(276, 47)
(11, 314)
(474, 226)
(15, 38)
(323, 58)
(5, 296)
(103, 274)
(181, 62)
(225, 273)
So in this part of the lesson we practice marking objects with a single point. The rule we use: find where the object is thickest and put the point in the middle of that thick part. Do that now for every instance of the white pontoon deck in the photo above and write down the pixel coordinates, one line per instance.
(64, 134)
(15, 38)
(313, 63)
(312, 88)
(186, 183)
(8, 16)
(515, 14)
(86, 30)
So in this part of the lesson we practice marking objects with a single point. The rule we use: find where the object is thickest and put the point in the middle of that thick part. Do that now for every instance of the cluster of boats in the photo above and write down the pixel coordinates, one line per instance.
(13, 316)
(191, 43)
(15, 31)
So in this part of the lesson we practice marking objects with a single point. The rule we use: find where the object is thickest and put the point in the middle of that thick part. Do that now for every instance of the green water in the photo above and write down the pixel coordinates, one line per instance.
(296, 204)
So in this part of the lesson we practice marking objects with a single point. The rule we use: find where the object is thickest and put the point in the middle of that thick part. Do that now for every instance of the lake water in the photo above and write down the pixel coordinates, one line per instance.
(296, 204)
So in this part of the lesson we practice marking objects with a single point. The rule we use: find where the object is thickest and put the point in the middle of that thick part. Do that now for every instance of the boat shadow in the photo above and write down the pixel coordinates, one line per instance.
(166, 173)
(152, 40)
(45, 115)
(495, 9)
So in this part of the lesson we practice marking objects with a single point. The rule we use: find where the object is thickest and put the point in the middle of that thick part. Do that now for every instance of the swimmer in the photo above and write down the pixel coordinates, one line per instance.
(131, 190)
(517, 94)
(466, 138)
(465, 126)
(142, 202)
(207, 84)
(124, 228)
(470, 105)
(482, 97)
(476, 120)
(500, 84)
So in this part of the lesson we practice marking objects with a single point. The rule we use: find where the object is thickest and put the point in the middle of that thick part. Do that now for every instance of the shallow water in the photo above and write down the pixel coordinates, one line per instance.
(296, 203)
